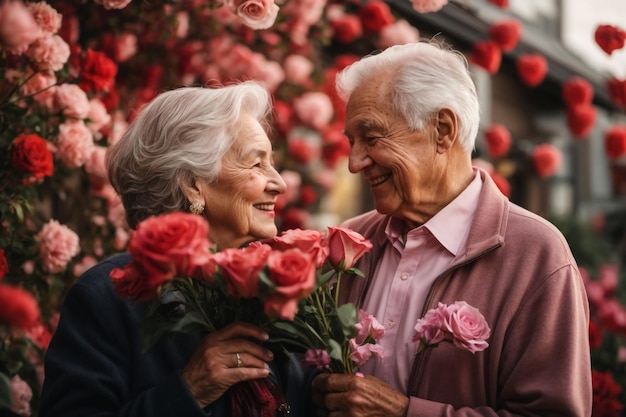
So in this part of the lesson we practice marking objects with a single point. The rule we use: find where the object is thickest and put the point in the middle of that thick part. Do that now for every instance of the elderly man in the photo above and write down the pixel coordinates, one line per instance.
(443, 232)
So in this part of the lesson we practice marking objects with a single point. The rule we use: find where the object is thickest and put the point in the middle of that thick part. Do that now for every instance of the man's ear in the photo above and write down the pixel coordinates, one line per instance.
(447, 129)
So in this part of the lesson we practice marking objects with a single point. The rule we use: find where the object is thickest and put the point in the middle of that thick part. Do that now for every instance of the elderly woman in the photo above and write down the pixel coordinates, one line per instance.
(205, 151)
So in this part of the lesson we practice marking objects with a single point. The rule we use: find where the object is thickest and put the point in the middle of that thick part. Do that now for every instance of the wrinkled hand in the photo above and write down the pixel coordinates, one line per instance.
(213, 368)
(337, 395)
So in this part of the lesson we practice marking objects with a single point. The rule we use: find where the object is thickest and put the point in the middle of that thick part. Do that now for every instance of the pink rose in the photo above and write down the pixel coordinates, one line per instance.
(113, 4)
(256, 14)
(362, 353)
(293, 273)
(95, 164)
(368, 327)
(428, 6)
(270, 73)
(49, 53)
(39, 86)
(18, 28)
(316, 358)
(241, 267)
(57, 246)
(430, 329)
(72, 101)
(345, 247)
(97, 115)
(75, 143)
(48, 19)
(21, 394)
(308, 241)
(163, 247)
(399, 33)
(315, 109)
(467, 326)
(298, 69)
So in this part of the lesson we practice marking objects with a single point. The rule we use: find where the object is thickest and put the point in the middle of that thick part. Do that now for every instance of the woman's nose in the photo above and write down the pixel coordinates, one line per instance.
(276, 184)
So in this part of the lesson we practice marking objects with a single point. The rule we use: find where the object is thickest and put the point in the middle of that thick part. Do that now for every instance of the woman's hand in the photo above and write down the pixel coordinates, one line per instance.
(224, 358)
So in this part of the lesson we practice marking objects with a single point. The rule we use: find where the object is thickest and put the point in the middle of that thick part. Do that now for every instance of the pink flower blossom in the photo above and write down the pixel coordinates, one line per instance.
(368, 327)
(97, 115)
(316, 358)
(256, 14)
(18, 28)
(72, 101)
(95, 164)
(399, 33)
(428, 6)
(430, 329)
(58, 244)
(346, 247)
(48, 19)
(75, 143)
(362, 353)
(39, 86)
(298, 69)
(49, 53)
(21, 394)
(315, 109)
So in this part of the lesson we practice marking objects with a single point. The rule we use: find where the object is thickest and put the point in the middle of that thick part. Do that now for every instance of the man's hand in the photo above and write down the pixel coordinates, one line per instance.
(337, 395)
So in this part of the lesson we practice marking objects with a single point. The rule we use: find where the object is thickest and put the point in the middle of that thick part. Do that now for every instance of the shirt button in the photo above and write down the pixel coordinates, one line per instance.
(404, 276)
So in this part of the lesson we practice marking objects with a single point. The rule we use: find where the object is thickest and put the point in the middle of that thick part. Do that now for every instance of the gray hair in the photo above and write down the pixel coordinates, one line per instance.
(426, 77)
(177, 138)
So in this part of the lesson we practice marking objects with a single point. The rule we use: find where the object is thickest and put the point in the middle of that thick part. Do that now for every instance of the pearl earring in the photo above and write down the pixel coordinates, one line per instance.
(197, 207)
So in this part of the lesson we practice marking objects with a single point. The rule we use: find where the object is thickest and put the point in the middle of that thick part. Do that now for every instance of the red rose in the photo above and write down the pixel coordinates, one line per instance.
(4, 265)
(347, 28)
(375, 15)
(241, 267)
(617, 91)
(31, 154)
(487, 55)
(345, 247)
(532, 68)
(605, 395)
(163, 247)
(308, 241)
(498, 140)
(580, 120)
(18, 308)
(546, 159)
(97, 72)
(577, 91)
(506, 34)
(615, 142)
(610, 38)
(293, 273)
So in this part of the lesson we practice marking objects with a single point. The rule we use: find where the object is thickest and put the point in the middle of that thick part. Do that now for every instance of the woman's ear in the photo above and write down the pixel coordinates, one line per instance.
(447, 129)
(192, 191)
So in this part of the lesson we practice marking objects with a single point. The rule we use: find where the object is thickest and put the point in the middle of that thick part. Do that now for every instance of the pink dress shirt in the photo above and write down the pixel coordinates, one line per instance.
(404, 276)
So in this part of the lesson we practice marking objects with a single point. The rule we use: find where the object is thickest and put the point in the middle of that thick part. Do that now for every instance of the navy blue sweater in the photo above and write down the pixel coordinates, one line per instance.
(95, 367)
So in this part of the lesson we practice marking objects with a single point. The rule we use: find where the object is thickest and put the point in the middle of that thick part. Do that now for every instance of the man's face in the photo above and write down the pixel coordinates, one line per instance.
(400, 165)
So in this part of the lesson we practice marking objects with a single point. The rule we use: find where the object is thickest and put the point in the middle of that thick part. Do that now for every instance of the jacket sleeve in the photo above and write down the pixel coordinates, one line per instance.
(544, 367)
(90, 363)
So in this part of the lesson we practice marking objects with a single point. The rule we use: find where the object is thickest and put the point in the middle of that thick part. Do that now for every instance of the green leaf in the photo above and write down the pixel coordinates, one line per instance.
(356, 271)
(324, 277)
(335, 349)
(348, 318)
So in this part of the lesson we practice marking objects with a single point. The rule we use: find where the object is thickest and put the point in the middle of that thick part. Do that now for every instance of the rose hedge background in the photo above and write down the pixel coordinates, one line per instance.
(73, 74)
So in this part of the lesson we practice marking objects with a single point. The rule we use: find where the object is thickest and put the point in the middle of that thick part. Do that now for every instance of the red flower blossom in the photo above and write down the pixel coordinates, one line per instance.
(617, 91)
(580, 120)
(502, 183)
(615, 142)
(546, 159)
(610, 38)
(605, 394)
(577, 91)
(97, 72)
(595, 335)
(308, 195)
(4, 265)
(18, 308)
(500, 3)
(31, 154)
(498, 140)
(487, 55)
(532, 69)
(347, 28)
(375, 15)
(506, 34)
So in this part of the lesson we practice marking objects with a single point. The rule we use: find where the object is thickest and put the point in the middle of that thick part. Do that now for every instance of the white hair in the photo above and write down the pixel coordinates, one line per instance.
(425, 78)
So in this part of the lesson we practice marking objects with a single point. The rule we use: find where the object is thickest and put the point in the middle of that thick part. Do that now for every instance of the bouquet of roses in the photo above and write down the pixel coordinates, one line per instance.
(287, 285)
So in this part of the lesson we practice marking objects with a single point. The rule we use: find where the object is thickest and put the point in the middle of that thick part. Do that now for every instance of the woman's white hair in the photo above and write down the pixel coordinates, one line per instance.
(179, 137)
(426, 77)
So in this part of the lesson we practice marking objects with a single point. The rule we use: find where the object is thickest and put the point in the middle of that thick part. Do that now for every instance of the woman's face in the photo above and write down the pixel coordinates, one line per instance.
(240, 204)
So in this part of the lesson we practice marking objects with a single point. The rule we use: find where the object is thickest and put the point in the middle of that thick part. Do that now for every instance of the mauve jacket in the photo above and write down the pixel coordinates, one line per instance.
(519, 272)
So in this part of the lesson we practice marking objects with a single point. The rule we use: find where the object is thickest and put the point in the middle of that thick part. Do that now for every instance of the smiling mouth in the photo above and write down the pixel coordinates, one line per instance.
(374, 182)
(264, 207)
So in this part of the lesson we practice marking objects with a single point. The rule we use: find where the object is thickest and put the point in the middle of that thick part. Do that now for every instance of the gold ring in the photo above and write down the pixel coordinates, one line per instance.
(239, 361)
